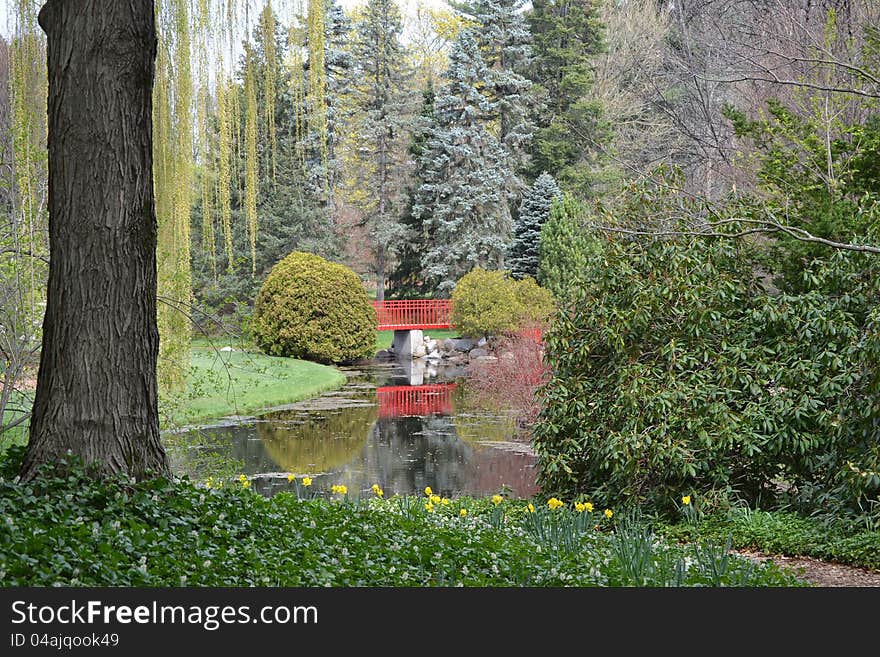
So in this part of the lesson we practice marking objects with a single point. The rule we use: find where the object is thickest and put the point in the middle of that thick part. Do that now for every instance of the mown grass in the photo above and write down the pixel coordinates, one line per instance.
(238, 382)
(74, 531)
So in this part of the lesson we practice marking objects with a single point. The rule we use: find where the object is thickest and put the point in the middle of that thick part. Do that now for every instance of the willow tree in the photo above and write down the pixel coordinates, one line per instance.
(97, 392)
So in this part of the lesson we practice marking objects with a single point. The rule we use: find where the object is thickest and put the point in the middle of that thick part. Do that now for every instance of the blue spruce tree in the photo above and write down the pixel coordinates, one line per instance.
(461, 199)
(533, 212)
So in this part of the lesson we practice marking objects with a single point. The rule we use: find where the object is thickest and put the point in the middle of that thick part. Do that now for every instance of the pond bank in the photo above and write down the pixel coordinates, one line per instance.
(228, 382)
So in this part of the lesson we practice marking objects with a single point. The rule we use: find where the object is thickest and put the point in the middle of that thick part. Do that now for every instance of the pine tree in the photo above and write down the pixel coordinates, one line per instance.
(380, 100)
(533, 212)
(461, 199)
(565, 249)
(406, 280)
(566, 37)
(505, 44)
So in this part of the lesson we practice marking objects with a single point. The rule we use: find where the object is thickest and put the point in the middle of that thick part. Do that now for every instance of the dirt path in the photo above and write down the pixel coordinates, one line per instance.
(819, 573)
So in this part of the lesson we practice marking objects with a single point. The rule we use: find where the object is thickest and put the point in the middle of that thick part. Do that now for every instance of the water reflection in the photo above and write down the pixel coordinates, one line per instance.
(400, 426)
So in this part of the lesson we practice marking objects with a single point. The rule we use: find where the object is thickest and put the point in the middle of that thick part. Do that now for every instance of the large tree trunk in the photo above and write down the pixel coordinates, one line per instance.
(96, 389)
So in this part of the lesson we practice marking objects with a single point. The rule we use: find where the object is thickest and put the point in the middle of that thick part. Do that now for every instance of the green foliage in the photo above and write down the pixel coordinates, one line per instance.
(674, 371)
(76, 531)
(492, 303)
(461, 200)
(567, 37)
(313, 309)
(816, 168)
(566, 251)
(784, 532)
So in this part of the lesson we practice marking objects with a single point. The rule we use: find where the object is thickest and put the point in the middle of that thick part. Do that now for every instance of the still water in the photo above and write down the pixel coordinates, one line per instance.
(401, 426)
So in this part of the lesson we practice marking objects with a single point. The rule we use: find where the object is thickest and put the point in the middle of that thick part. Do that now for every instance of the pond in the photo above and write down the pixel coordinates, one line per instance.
(400, 424)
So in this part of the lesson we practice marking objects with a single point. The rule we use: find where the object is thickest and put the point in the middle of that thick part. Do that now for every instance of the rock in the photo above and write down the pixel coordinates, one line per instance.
(384, 354)
(430, 345)
(434, 355)
(448, 345)
(507, 355)
(227, 348)
(482, 342)
(479, 352)
(419, 351)
(462, 344)
(486, 359)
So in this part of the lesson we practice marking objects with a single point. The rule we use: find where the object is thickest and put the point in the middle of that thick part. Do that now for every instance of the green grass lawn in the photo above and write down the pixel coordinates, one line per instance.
(238, 382)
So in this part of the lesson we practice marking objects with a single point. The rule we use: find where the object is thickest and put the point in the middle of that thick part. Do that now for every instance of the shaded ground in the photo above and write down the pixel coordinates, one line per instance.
(820, 573)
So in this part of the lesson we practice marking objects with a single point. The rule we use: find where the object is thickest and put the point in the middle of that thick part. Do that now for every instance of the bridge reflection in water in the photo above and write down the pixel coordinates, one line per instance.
(431, 399)
(377, 429)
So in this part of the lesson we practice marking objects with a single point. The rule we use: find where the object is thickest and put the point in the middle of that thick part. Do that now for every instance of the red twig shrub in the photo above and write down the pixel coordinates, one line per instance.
(512, 381)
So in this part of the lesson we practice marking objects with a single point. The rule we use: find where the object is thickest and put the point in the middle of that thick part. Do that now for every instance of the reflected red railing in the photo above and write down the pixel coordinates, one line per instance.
(433, 399)
(408, 314)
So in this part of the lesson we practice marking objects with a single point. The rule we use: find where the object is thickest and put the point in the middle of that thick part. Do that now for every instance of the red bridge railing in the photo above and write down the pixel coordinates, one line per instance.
(406, 314)
(434, 399)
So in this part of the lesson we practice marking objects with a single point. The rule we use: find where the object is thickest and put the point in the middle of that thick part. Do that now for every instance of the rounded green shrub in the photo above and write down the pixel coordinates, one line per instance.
(493, 303)
(314, 309)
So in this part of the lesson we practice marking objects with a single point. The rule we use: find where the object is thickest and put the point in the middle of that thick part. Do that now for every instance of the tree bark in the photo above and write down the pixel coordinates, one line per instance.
(96, 387)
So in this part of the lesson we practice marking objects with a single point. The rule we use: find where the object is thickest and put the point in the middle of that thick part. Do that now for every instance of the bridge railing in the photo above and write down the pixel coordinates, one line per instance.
(405, 314)
(431, 399)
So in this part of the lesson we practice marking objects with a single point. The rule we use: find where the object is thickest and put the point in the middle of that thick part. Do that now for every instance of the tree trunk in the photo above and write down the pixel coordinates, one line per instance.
(96, 388)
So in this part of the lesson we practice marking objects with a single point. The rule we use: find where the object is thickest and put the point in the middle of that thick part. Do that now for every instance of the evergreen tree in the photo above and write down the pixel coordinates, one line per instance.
(533, 212)
(565, 249)
(461, 199)
(566, 37)
(406, 280)
(380, 104)
(505, 44)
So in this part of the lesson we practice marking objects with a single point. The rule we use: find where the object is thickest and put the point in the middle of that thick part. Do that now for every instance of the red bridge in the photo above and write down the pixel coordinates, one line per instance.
(434, 399)
(410, 314)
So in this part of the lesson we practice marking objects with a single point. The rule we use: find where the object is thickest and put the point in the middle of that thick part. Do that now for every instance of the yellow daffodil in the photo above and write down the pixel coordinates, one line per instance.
(245, 482)
(428, 491)
(462, 512)
(580, 507)
(608, 513)
(686, 500)
(555, 503)
(290, 477)
(429, 506)
(307, 481)
(445, 501)
(588, 507)
(496, 499)
(435, 499)
(531, 507)
(340, 489)
(378, 491)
